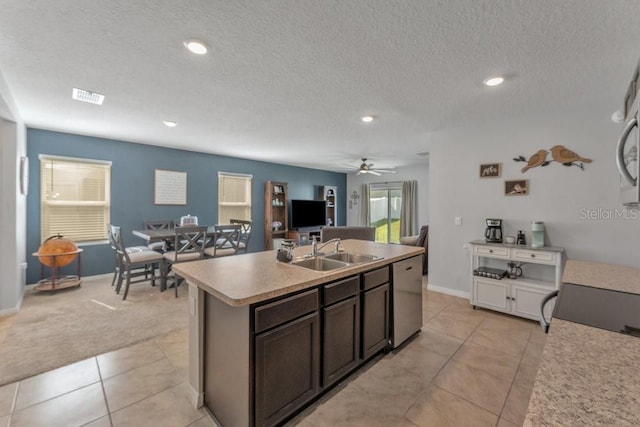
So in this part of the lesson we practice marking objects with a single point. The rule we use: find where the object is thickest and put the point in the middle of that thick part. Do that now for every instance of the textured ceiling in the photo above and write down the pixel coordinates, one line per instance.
(287, 80)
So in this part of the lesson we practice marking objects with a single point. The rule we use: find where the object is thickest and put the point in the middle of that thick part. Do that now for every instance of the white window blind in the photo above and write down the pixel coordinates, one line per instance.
(74, 198)
(234, 197)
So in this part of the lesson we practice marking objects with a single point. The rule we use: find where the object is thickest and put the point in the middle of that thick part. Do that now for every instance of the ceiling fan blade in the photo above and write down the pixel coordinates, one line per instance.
(360, 172)
(385, 171)
(373, 172)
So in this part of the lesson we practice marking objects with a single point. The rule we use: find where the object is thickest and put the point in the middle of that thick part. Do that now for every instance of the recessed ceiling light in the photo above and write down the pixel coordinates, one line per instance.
(169, 123)
(493, 81)
(196, 46)
(367, 119)
(87, 96)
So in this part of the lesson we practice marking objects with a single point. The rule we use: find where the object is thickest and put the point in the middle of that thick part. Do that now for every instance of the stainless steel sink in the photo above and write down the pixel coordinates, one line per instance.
(351, 258)
(320, 264)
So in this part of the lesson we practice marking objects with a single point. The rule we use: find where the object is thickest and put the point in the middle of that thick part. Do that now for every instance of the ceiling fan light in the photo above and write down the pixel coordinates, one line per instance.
(367, 119)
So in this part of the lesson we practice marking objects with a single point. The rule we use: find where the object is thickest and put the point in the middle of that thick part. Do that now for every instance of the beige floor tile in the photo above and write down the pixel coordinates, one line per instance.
(451, 326)
(419, 361)
(535, 348)
(438, 407)
(76, 408)
(169, 408)
(140, 383)
(100, 422)
(526, 374)
(493, 362)
(504, 322)
(180, 362)
(125, 359)
(388, 383)
(504, 423)
(438, 342)
(465, 313)
(473, 385)
(350, 407)
(510, 342)
(203, 422)
(7, 398)
(174, 342)
(54, 383)
(515, 408)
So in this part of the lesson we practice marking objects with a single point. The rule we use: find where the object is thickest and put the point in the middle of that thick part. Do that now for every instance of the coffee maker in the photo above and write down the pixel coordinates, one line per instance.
(493, 233)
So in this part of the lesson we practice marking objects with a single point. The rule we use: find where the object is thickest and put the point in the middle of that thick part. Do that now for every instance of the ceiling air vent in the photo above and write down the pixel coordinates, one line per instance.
(87, 96)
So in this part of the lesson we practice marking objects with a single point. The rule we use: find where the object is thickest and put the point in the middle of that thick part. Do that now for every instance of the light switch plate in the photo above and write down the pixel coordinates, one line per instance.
(458, 221)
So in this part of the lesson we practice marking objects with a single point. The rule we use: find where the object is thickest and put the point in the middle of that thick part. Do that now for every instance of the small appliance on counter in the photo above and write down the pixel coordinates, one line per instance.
(493, 233)
(520, 240)
(537, 234)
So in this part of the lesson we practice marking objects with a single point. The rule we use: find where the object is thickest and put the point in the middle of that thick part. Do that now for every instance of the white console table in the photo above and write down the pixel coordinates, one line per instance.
(521, 296)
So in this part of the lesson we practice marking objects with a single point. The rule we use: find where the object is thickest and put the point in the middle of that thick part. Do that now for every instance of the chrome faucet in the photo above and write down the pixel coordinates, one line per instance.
(315, 247)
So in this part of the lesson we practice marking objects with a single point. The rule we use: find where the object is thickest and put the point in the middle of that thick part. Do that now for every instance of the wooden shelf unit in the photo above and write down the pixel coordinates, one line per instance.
(275, 209)
(330, 195)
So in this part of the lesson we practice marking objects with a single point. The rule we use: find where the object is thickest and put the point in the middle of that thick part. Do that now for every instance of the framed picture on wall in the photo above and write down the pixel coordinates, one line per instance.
(516, 187)
(490, 170)
(170, 187)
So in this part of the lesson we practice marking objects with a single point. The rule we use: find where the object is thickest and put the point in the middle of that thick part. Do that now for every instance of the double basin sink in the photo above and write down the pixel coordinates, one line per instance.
(333, 261)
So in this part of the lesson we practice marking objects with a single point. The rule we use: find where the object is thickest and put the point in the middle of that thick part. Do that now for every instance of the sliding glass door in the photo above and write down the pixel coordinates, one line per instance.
(385, 202)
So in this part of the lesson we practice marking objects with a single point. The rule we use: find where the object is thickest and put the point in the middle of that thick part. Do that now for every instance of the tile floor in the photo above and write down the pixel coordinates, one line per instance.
(466, 367)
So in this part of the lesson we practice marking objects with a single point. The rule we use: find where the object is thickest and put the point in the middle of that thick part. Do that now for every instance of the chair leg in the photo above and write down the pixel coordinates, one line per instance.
(126, 288)
(120, 279)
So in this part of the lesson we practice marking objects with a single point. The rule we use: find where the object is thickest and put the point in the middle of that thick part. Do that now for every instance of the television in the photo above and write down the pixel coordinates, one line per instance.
(308, 213)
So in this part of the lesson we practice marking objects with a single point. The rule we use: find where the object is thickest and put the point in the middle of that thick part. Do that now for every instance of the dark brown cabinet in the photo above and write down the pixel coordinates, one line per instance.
(341, 329)
(287, 356)
(375, 311)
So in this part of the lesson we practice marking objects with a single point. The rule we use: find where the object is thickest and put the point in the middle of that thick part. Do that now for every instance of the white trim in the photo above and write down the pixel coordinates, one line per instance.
(13, 310)
(74, 159)
(449, 291)
(241, 175)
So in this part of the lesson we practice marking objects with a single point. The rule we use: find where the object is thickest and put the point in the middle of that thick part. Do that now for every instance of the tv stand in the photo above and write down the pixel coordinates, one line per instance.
(303, 236)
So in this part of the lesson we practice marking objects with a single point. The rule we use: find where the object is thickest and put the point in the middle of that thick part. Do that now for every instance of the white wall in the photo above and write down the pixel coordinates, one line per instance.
(13, 212)
(558, 194)
(419, 173)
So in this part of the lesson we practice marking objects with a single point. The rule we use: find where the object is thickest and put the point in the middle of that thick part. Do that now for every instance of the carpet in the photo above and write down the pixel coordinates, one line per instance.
(54, 330)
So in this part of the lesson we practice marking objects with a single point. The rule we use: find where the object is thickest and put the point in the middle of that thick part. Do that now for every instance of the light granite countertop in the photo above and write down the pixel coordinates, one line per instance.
(589, 376)
(241, 280)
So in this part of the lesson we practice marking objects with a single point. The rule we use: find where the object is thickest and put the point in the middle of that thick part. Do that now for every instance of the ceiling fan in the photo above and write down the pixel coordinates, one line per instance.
(368, 168)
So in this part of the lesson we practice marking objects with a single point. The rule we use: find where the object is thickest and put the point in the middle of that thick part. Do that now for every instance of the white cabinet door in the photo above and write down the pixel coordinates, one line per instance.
(491, 294)
(525, 301)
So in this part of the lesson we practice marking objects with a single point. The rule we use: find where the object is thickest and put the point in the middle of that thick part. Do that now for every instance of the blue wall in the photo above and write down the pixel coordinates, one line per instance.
(132, 174)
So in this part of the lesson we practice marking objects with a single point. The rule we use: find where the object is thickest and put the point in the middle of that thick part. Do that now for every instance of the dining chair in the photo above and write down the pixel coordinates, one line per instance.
(245, 233)
(188, 245)
(224, 241)
(133, 263)
(160, 224)
(130, 249)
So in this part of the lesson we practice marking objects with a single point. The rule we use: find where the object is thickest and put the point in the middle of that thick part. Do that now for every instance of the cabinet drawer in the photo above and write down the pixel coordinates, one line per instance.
(278, 312)
(534, 256)
(375, 278)
(491, 251)
(338, 291)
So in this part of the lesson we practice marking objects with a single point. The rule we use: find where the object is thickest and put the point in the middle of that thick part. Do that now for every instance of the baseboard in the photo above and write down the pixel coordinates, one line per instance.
(196, 399)
(449, 291)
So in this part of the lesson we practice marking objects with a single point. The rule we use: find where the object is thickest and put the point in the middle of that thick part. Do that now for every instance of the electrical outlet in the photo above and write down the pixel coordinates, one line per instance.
(458, 221)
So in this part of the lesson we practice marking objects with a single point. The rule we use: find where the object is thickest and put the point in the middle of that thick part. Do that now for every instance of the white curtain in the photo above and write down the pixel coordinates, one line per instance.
(364, 205)
(409, 209)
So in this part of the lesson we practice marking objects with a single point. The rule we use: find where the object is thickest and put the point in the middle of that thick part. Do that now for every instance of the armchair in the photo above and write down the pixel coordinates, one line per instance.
(421, 239)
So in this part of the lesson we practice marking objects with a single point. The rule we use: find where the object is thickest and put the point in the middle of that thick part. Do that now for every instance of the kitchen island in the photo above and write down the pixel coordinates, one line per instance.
(589, 376)
(267, 338)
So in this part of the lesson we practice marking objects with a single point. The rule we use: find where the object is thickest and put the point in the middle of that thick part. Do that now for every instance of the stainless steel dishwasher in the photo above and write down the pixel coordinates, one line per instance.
(407, 299)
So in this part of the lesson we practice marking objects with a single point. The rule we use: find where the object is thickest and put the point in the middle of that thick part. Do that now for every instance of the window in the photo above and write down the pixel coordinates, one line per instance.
(75, 198)
(385, 204)
(234, 197)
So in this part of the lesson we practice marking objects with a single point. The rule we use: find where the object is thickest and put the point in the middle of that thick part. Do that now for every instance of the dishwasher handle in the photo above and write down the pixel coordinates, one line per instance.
(543, 322)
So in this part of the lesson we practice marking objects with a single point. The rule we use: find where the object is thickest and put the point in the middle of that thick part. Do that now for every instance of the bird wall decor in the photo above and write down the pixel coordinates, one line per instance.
(559, 154)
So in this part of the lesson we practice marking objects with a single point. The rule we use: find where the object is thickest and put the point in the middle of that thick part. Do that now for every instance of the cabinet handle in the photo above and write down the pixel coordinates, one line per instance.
(490, 251)
(533, 255)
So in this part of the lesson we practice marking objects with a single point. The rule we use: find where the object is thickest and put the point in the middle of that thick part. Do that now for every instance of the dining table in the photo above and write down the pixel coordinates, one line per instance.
(160, 235)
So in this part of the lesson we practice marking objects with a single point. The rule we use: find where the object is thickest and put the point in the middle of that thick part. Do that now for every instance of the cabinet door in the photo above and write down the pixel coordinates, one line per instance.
(287, 369)
(525, 301)
(341, 339)
(375, 320)
(491, 294)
